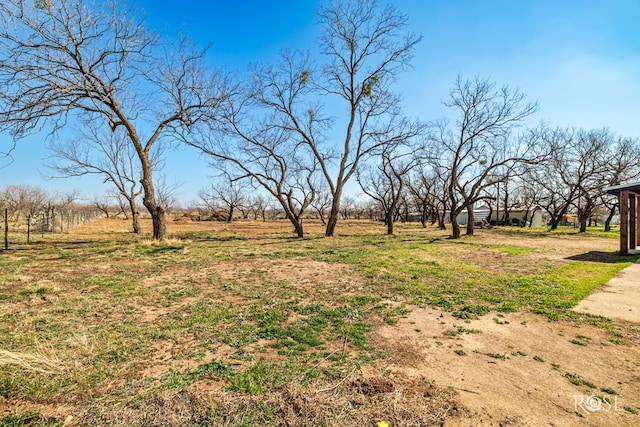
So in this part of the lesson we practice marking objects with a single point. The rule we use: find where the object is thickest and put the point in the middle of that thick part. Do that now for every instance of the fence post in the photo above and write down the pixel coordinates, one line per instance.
(6, 228)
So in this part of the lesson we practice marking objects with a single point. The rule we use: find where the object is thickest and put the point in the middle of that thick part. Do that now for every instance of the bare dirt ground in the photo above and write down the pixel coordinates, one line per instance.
(515, 369)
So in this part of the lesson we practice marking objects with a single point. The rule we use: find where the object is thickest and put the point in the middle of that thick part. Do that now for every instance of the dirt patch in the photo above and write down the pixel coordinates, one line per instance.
(298, 277)
(518, 369)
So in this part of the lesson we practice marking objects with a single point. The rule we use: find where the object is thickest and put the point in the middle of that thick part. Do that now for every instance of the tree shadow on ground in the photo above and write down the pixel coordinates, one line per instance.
(604, 257)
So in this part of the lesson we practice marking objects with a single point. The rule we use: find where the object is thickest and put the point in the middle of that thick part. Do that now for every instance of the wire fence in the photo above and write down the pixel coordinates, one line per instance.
(20, 227)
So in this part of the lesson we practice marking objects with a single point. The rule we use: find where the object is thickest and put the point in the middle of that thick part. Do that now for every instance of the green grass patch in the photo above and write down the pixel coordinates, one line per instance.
(459, 330)
(471, 311)
(30, 419)
(499, 356)
(576, 379)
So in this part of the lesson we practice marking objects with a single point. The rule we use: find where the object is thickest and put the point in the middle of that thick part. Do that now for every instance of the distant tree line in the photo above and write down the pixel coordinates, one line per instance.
(290, 136)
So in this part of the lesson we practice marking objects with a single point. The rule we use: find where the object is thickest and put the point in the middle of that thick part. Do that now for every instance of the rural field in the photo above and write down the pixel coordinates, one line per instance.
(242, 324)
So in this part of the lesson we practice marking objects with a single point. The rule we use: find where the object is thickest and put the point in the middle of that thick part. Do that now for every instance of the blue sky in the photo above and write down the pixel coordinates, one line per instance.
(579, 59)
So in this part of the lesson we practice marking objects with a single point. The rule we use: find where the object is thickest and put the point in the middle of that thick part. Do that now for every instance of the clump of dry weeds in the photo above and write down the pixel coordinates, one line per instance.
(357, 402)
(42, 363)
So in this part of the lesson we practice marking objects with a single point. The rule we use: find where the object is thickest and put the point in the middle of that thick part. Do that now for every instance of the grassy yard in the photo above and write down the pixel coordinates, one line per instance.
(243, 324)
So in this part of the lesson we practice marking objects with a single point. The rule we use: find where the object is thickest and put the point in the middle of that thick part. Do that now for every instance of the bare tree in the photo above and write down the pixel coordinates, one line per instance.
(427, 189)
(23, 200)
(624, 167)
(347, 207)
(386, 183)
(521, 192)
(121, 202)
(103, 204)
(364, 53)
(572, 179)
(259, 207)
(557, 190)
(505, 191)
(481, 144)
(227, 194)
(321, 203)
(594, 146)
(252, 140)
(71, 59)
(109, 154)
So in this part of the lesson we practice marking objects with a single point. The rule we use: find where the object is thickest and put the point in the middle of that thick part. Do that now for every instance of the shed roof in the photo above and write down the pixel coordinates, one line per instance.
(634, 187)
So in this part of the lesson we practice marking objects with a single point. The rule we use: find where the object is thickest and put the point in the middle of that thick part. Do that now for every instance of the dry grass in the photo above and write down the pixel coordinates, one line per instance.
(47, 364)
(357, 402)
(154, 243)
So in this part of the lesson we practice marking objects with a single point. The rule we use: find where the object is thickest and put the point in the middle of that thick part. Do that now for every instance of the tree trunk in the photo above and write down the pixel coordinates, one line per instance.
(533, 214)
(157, 212)
(441, 222)
(491, 214)
(556, 219)
(158, 218)
(159, 221)
(389, 220)
(332, 220)
(470, 220)
(297, 225)
(423, 217)
(506, 212)
(584, 215)
(322, 218)
(230, 217)
(299, 229)
(135, 216)
(135, 223)
(440, 216)
(583, 225)
(607, 223)
(455, 229)
(455, 226)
